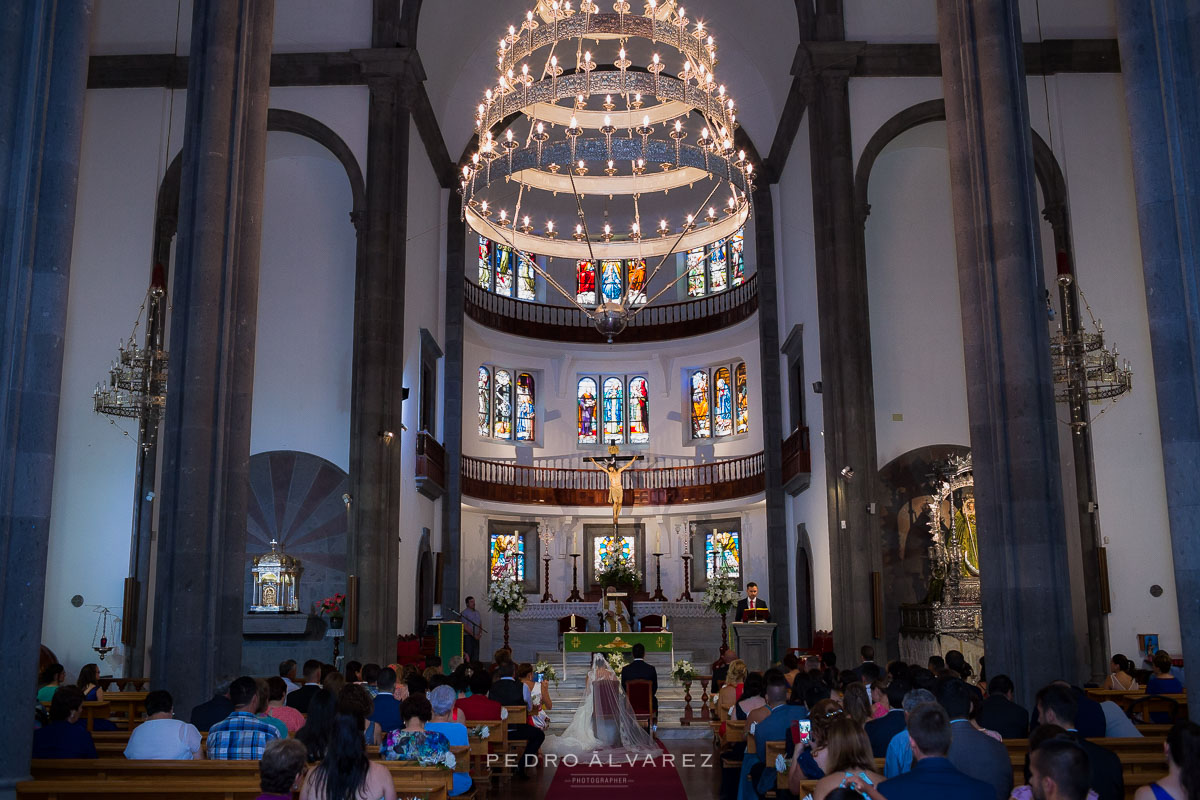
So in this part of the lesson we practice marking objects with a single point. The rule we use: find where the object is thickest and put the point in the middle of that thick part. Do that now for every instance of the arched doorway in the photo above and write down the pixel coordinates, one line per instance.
(424, 583)
(804, 590)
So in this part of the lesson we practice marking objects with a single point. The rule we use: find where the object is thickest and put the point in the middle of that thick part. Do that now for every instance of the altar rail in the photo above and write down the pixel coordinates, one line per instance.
(506, 482)
(654, 323)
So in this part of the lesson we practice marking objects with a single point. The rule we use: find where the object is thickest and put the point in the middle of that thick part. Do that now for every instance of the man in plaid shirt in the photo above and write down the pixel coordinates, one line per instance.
(241, 735)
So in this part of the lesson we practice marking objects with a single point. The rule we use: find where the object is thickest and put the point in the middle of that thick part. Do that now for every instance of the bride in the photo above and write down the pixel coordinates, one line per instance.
(604, 721)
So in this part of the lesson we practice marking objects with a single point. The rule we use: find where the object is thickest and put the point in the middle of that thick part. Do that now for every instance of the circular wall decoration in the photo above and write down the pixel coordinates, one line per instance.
(1156, 591)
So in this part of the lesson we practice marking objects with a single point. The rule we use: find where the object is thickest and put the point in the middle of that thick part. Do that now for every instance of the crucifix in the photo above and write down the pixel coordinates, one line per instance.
(614, 465)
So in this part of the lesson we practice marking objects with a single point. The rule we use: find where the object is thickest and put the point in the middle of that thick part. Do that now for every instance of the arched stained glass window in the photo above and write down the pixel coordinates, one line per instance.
(502, 405)
(737, 258)
(484, 388)
(701, 424)
(586, 398)
(610, 281)
(507, 556)
(722, 555)
(614, 410)
(639, 411)
(525, 407)
(503, 271)
(526, 277)
(637, 281)
(742, 400)
(485, 264)
(718, 275)
(722, 403)
(585, 282)
(695, 272)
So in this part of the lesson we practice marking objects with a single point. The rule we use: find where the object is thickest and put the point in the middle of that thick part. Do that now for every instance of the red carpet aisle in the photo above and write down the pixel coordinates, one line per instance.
(654, 776)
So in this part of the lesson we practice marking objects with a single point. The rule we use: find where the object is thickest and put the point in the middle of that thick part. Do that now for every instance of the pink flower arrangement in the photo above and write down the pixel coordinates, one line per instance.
(333, 606)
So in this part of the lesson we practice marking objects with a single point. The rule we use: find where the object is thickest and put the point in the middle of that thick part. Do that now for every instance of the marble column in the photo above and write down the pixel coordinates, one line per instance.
(1160, 58)
(43, 61)
(1025, 583)
(199, 602)
(848, 390)
(454, 593)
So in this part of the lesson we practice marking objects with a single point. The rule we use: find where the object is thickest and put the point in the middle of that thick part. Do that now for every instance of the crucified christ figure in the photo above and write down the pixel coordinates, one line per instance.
(616, 492)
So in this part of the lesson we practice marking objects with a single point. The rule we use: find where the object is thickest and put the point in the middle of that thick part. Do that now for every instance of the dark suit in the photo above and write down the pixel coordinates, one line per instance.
(1005, 717)
(979, 756)
(858, 670)
(1105, 773)
(300, 698)
(207, 714)
(512, 693)
(935, 777)
(387, 712)
(639, 670)
(880, 731)
(744, 603)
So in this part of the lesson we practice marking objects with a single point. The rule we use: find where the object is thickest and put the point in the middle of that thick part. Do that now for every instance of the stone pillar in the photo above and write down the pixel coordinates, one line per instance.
(454, 593)
(43, 61)
(1160, 58)
(1025, 583)
(378, 375)
(848, 390)
(201, 570)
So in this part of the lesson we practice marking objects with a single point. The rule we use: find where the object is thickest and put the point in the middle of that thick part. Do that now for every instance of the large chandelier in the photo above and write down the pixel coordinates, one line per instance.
(137, 379)
(1085, 369)
(593, 151)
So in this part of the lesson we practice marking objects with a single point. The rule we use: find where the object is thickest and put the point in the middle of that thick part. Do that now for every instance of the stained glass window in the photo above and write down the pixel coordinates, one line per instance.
(605, 548)
(639, 416)
(485, 263)
(585, 282)
(637, 281)
(722, 554)
(737, 258)
(701, 424)
(503, 273)
(722, 403)
(484, 382)
(525, 408)
(610, 281)
(614, 410)
(586, 397)
(507, 556)
(743, 399)
(695, 272)
(502, 405)
(526, 277)
(718, 276)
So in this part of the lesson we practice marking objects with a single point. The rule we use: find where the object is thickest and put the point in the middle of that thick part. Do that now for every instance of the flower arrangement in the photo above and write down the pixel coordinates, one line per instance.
(547, 671)
(621, 574)
(333, 606)
(481, 731)
(446, 761)
(616, 662)
(684, 671)
(722, 593)
(505, 595)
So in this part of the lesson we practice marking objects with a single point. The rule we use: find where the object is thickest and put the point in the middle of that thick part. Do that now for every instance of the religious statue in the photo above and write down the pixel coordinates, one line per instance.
(613, 616)
(612, 465)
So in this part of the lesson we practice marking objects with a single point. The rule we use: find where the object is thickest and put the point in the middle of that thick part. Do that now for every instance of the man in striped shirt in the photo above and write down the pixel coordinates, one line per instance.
(241, 736)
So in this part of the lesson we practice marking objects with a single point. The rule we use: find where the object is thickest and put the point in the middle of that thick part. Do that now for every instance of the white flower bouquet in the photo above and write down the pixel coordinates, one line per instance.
(546, 669)
(684, 671)
(722, 593)
(616, 662)
(505, 595)
(481, 731)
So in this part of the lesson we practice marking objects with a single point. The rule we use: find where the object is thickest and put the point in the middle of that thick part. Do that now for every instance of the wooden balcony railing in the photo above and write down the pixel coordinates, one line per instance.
(797, 462)
(504, 481)
(653, 324)
(431, 466)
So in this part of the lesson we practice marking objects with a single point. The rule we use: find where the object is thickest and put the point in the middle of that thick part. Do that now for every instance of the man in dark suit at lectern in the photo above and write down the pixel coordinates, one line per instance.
(751, 602)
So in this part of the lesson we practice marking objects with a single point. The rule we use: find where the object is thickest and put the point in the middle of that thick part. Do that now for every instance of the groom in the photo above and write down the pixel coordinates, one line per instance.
(639, 670)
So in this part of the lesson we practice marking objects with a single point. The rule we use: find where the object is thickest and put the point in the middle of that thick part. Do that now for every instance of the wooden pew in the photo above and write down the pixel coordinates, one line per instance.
(1122, 746)
(127, 708)
(1124, 698)
(208, 789)
(126, 684)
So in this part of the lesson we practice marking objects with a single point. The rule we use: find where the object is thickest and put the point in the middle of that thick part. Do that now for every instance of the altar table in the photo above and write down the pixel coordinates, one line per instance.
(617, 642)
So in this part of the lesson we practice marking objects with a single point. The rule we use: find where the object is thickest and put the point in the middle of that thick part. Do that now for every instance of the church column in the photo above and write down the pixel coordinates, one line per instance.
(43, 58)
(1160, 58)
(206, 436)
(848, 390)
(1025, 583)
(454, 593)
(375, 412)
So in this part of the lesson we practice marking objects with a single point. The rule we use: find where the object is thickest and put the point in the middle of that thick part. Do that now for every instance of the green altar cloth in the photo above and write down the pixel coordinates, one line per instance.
(614, 642)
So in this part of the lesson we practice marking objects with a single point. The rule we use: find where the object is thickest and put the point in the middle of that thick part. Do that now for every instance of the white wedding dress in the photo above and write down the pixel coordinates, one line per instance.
(605, 722)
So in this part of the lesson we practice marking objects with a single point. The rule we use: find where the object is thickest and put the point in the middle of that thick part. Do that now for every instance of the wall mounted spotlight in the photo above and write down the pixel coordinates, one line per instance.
(848, 473)
(817, 386)
(387, 436)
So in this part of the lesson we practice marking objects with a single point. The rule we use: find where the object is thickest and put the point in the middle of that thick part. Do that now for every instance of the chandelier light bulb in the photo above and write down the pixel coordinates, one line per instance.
(550, 226)
(607, 121)
(581, 165)
(637, 97)
(504, 214)
(540, 128)
(607, 229)
(483, 206)
(525, 221)
(656, 59)
(622, 53)
(645, 120)
(488, 95)
(512, 31)
(704, 133)
(579, 229)
(553, 62)
(610, 163)
(587, 56)
(574, 122)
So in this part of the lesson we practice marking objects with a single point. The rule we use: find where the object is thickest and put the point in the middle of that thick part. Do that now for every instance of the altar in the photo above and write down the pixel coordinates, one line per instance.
(617, 642)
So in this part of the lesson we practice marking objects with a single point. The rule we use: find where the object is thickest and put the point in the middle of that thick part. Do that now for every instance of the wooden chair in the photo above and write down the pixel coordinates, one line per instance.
(653, 623)
(1156, 704)
(641, 698)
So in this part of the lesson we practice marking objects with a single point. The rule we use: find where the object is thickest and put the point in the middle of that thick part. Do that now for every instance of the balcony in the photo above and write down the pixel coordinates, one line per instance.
(506, 482)
(654, 323)
(431, 466)
(797, 462)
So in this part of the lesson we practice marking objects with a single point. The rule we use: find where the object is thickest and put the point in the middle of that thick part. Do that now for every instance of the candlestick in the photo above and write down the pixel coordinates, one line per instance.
(575, 596)
(687, 580)
(658, 594)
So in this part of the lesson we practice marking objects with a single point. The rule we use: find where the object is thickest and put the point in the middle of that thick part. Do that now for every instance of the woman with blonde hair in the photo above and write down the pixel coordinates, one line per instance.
(849, 756)
(731, 692)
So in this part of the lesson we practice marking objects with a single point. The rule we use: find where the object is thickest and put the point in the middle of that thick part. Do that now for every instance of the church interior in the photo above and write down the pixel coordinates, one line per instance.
(390, 332)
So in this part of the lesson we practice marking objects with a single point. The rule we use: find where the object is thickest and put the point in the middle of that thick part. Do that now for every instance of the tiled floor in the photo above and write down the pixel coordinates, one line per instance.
(700, 781)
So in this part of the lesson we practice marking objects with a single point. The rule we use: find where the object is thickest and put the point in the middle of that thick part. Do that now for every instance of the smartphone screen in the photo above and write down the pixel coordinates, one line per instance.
(805, 729)
(537, 678)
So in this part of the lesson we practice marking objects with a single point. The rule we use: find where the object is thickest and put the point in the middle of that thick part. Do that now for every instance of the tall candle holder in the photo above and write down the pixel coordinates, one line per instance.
(658, 594)
(575, 596)
(687, 580)
(547, 537)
